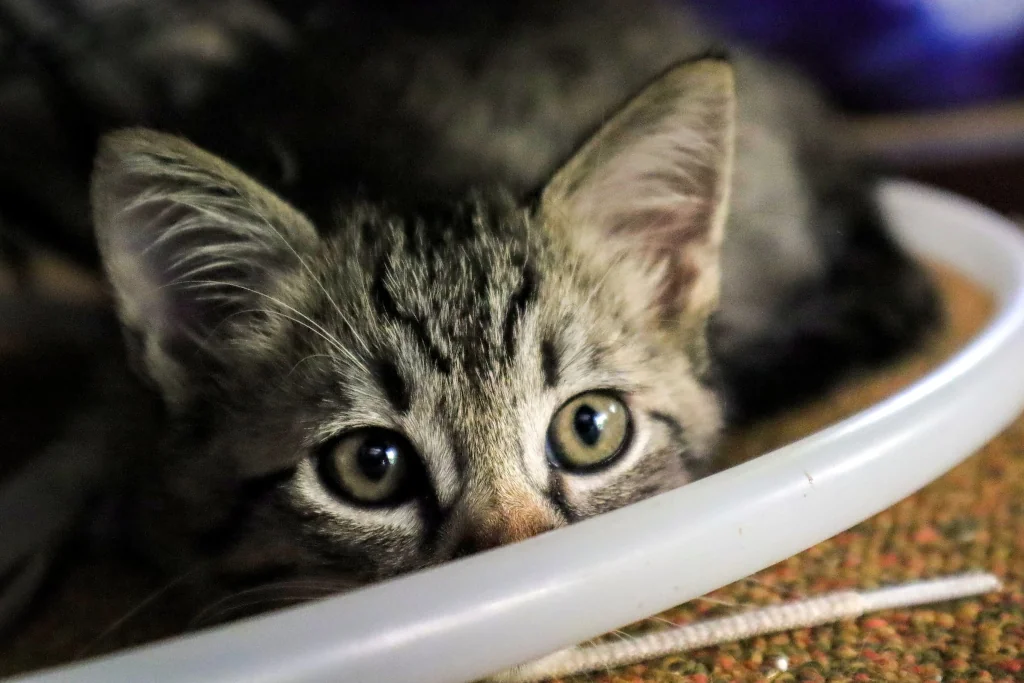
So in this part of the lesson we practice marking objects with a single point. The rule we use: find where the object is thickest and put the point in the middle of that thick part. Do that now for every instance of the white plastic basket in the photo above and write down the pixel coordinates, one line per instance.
(479, 615)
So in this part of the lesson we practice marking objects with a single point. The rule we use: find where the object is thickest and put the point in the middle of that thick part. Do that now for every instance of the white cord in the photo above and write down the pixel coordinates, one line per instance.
(792, 615)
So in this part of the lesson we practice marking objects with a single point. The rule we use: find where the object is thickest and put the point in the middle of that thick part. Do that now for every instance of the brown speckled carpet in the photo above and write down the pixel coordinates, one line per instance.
(971, 518)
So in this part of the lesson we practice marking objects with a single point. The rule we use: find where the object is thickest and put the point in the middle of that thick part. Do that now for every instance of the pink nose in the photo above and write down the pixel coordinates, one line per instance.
(502, 527)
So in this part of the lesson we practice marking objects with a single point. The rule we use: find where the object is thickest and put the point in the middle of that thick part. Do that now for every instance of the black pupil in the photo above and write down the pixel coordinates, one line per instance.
(376, 457)
(588, 424)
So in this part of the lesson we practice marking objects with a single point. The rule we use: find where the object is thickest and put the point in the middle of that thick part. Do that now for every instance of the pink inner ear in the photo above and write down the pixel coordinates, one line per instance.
(659, 189)
(671, 226)
(660, 216)
(649, 188)
(680, 274)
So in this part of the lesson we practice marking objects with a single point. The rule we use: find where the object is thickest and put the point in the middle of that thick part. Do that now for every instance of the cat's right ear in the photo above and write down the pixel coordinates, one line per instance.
(650, 189)
(202, 259)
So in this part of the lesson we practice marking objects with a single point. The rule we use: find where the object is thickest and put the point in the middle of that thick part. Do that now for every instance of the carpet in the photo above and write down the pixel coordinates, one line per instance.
(971, 518)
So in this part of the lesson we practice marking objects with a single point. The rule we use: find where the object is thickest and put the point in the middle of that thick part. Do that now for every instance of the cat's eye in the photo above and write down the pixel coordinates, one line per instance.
(589, 431)
(368, 466)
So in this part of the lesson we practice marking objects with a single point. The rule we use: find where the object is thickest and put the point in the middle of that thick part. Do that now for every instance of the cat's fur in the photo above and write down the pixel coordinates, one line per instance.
(464, 328)
(267, 321)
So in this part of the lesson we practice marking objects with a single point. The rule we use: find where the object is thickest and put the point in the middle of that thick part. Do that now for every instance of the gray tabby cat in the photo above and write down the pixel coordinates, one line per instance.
(390, 384)
(409, 389)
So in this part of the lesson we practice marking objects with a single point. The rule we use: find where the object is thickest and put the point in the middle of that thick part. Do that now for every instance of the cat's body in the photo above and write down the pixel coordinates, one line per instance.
(452, 326)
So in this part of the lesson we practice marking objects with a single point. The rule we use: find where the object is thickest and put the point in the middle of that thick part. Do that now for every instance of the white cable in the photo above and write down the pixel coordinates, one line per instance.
(792, 615)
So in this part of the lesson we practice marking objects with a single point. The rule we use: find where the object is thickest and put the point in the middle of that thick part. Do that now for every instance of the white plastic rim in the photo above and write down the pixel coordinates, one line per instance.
(476, 616)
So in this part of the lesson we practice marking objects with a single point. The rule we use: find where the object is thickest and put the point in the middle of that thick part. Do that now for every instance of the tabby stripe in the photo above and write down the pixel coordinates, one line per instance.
(675, 429)
(432, 517)
(678, 434)
(388, 307)
(461, 448)
(556, 491)
(249, 494)
(523, 296)
(549, 363)
(395, 388)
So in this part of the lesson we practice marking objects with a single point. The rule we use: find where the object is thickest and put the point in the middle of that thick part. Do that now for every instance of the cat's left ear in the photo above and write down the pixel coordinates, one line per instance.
(650, 189)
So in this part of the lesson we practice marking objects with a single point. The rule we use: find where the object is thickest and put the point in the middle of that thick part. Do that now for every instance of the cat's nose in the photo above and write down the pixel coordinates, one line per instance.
(505, 526)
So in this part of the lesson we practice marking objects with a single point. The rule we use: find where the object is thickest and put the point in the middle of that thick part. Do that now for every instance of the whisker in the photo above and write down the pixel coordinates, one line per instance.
(621, 635)
(273, 299)
(303, 320)
(269, 224)
(317, 587)
(774, 590)
(309, 357)
(134, 612)
(226, 610)
(719, 601)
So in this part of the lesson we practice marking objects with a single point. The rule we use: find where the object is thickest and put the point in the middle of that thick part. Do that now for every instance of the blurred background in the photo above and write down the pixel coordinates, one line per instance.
(890, 55)
(933, 88)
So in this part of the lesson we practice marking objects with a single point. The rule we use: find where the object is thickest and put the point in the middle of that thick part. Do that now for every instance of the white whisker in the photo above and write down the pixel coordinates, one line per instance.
(303, 319)
(133, 612)
(299, 590)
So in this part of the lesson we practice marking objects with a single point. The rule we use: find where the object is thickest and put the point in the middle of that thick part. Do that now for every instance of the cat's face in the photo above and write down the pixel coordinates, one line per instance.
(412, 387)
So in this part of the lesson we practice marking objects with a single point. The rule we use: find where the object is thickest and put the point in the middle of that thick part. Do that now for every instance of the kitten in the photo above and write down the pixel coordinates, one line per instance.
(351, 387)
(407, 388)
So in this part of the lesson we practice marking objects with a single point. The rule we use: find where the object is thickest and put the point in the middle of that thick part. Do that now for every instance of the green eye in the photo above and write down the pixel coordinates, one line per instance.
(589, 431)
(369, 466)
